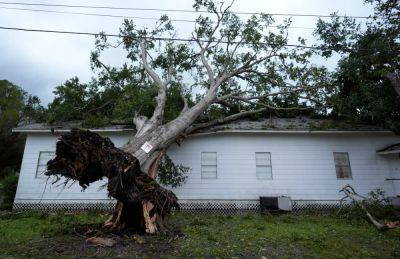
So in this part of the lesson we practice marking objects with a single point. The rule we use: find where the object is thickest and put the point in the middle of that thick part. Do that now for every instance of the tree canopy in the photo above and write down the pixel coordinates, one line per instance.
(369, 64)
(258, 69)
(255, 64)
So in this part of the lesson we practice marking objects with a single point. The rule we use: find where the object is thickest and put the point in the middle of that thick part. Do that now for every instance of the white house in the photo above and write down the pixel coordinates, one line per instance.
(307, 160)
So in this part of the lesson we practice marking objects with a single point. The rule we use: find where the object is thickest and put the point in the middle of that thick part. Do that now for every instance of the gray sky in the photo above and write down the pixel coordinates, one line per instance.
(40, 61)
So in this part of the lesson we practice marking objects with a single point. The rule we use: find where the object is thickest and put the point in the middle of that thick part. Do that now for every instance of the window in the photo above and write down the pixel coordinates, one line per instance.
(263, 165)
(209, 165)
(44, 157)
(342, 164)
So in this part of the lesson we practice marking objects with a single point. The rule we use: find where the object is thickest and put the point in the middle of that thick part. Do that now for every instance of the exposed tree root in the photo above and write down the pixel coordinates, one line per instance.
(86, 157)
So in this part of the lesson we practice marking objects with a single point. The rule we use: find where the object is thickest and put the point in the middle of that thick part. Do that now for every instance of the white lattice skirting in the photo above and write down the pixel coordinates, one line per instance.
(198, 206)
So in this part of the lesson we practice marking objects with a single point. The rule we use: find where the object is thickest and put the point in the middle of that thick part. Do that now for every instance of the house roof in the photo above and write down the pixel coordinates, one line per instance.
(278, 125)
(392, 149)
(67, 126)
(298, 124)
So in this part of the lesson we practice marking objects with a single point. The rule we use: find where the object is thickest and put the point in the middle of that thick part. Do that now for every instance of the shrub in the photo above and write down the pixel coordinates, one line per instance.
(8, 188)
(6, 171)
(170, 174)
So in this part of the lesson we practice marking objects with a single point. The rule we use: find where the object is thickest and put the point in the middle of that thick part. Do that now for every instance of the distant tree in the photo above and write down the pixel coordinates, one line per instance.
(367, 77)
(15, 106)
(33, 111)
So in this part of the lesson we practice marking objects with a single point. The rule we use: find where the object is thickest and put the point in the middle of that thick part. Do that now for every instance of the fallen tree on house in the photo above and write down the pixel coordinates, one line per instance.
(242, 68)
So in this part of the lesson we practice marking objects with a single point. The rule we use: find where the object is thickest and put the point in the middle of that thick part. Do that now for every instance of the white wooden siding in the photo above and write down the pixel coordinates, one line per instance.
(303, 167)
(35, 189)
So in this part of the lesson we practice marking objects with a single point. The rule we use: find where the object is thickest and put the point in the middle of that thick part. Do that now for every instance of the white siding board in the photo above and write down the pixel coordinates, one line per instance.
(302, 167)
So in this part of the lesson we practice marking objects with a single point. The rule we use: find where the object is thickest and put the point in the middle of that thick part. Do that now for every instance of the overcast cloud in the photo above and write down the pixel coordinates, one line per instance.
(40, 61)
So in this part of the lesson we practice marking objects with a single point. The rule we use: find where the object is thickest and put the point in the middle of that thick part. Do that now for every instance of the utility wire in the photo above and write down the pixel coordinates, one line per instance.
(120, 16)
(170, 10)
(92, 14)
(155, 38)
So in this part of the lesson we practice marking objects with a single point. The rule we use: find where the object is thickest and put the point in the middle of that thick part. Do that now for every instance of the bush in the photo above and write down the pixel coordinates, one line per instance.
(8, 188)
(6, 171)
(170, 174)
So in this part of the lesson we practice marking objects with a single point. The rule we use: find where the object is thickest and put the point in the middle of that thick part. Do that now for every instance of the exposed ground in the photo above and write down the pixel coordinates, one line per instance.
(61, 235)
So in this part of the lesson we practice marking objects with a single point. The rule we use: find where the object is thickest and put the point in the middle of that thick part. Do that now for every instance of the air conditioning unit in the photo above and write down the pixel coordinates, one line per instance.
(275, 204)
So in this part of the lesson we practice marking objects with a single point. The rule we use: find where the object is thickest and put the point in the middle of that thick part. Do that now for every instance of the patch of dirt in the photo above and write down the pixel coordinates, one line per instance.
(74, 245)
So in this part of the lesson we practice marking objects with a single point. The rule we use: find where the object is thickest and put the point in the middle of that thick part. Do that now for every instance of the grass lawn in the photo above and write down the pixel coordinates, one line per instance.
(58, 235)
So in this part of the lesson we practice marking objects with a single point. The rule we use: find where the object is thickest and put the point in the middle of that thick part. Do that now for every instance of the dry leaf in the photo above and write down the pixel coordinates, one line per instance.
(138, 239)
(99, 241)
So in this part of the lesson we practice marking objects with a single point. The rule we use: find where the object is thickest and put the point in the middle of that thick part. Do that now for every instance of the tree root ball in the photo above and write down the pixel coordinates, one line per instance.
(87, 157)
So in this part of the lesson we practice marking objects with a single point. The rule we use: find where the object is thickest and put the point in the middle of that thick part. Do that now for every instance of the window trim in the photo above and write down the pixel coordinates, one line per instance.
(37, 175)
(349, 165)
(216, 165)
(270, 165)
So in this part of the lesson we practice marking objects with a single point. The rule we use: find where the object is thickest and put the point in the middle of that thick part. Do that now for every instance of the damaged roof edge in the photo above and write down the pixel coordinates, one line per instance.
(220, 131)
(301, 125)
(297, 132)
(68, 130)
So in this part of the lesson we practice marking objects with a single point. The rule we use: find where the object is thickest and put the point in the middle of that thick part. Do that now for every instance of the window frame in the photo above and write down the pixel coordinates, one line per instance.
(40, 175)
(202, 165)
(268, 176)
(342, 166)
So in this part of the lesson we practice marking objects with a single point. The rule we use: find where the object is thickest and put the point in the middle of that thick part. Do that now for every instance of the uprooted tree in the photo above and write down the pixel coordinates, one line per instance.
(243, 67)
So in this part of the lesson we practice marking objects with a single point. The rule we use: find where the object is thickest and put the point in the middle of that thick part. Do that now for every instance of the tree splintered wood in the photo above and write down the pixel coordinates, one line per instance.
(86, 157)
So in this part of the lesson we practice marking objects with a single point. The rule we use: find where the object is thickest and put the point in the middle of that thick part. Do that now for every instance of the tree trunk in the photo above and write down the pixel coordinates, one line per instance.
(86, 157)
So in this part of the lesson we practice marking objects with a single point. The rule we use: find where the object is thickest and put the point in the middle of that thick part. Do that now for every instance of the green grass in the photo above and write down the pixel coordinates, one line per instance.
(37, 235)
(20, 228)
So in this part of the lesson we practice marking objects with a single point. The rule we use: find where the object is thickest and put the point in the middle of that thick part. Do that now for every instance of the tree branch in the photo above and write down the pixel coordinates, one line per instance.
(249, 98)
(244, 99)
(158, 114)
(185, 103)
(246, 67)
(224, 120)
(139, 122)
(203, 49)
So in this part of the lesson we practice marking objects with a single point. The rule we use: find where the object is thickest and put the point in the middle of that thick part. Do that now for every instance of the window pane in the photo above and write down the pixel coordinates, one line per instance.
(209, 168)
(44, 157)
(343, 172)
(40, 170)
(342, 165)
(263, 165)
(209, 158)
(264, 172)
(208, 175)
(263, 158)
(341, 159)
(209, 165)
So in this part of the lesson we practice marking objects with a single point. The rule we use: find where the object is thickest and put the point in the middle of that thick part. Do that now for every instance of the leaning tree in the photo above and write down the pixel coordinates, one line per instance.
(247, 67)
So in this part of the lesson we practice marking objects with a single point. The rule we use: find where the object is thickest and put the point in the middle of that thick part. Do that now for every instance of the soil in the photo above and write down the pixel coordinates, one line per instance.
(74, 245)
